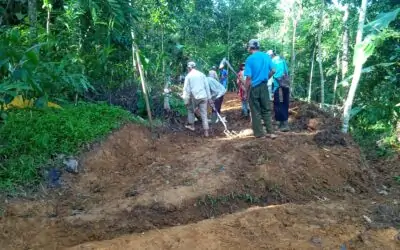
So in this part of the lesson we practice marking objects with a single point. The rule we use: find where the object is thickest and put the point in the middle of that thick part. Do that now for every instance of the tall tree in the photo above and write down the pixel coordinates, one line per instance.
(321, 70)
(357, 68)
(32, 13)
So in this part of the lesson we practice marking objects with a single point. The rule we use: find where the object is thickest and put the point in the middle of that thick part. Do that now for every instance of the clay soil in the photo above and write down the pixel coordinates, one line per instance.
(173, 189)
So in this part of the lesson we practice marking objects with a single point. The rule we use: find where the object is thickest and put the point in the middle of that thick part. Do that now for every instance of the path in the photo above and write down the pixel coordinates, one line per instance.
(132, 184)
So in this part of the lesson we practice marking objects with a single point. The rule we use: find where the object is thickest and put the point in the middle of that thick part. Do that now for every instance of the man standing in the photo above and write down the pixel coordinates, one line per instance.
(259, 68)
(196, 94)
(213, 73)
(281, 93)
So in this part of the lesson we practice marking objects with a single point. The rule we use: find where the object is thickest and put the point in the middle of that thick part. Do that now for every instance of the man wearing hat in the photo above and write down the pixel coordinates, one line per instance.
(259, 68)
(196, 94)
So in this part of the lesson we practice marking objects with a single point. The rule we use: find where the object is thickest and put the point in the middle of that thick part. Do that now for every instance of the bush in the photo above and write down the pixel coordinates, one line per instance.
(29, 138)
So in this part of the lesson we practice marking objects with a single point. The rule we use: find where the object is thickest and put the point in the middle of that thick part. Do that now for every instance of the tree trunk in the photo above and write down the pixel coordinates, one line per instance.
(357, 69)
(345, 42)
(293, 60)
(311, 76)
(321, 70)
(336, 77)
(32, 13)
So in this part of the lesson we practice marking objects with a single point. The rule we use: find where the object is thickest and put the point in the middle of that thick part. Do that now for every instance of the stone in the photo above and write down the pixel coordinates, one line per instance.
(71, 165)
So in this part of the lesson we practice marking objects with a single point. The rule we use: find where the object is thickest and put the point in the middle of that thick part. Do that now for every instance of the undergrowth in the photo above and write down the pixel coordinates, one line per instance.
(29, 137)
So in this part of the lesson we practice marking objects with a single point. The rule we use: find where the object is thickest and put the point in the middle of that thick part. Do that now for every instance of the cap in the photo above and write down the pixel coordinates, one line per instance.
(270, 52)
(254, 44)
(191, 64)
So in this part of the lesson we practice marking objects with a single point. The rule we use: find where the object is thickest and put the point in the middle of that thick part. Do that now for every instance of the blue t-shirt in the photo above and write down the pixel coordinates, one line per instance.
(258, 66)
(280, 70)
(224, 77)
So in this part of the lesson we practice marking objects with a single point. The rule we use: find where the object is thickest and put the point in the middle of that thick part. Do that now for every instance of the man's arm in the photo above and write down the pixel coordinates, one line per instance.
(186, 91)
(271, 73)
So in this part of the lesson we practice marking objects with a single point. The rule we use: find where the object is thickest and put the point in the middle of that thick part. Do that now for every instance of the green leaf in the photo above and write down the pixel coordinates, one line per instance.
(382, 21)
(32, 56)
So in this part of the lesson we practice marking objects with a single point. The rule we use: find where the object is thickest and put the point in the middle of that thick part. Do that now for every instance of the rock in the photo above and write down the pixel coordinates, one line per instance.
(383, 192)
(71, 166)
(367, 219)
(349, 189)
(313, 124)
(316, 240)
(397, 237)
(54, 178)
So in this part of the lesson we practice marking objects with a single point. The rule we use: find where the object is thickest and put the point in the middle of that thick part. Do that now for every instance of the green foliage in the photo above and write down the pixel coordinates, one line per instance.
(28, 138)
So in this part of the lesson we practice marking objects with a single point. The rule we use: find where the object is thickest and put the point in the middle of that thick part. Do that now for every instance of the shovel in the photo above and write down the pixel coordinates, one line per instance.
(226, 130)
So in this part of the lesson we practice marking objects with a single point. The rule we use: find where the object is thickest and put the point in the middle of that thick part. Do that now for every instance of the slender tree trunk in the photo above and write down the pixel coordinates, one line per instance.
(357, 69)
(293, 60)
(32, 13)
(166, 81)
(336, 77)
(321, 70)
(311, 76)
(345, 42)
(144, 89)
(48, 21)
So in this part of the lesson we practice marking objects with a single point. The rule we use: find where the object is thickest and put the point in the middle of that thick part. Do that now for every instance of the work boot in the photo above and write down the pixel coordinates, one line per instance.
(284, 127)
(206, 133)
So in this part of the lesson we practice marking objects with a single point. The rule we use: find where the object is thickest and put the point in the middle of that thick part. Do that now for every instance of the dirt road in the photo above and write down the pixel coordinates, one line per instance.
(307, 189)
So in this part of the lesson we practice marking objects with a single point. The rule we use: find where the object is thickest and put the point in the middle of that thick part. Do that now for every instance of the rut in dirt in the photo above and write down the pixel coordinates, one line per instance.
(132, 183)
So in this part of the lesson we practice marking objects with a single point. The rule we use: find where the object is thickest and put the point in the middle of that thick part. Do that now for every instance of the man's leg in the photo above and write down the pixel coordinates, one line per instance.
(203, 113)
(220, 104)
(284, 108)
(191, 116)
(255, 112)
(265, 108)
(277, 107)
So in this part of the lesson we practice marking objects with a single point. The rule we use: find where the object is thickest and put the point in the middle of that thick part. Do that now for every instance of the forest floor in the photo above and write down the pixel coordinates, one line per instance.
(173, 189)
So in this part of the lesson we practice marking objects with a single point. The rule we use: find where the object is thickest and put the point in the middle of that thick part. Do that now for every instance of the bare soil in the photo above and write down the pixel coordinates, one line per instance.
(309, 188)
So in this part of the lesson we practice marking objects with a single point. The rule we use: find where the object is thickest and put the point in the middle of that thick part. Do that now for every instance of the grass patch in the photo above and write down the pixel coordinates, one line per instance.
(29, 138)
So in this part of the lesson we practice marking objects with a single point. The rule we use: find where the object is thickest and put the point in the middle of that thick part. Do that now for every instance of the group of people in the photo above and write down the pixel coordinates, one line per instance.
(254, 91)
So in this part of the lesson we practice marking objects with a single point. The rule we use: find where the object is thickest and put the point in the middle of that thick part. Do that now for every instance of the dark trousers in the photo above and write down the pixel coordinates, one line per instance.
(281, 104)
(218, 104)
(260, 108)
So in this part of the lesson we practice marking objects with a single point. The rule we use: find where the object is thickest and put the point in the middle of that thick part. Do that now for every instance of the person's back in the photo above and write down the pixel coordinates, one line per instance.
(196, 85)
(280, 66)
(212, 73)
(258, 66)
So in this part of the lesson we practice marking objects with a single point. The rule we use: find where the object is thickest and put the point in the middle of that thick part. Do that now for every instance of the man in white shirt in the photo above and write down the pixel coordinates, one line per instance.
(196, 94)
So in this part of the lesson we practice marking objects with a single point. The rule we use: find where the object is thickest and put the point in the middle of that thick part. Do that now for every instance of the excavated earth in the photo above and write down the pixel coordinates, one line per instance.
(172, 189)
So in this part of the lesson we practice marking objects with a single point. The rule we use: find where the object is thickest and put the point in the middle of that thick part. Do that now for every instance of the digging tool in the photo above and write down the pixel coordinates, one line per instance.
(226, 130)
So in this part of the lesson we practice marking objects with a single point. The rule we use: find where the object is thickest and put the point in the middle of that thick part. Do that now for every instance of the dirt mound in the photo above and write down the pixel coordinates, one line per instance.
(313, 226)
(134, 182)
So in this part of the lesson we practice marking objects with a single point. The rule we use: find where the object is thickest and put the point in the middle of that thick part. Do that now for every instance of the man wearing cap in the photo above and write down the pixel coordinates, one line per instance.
(213, 73)
(259, 68)
(280, 93)
(196, 94)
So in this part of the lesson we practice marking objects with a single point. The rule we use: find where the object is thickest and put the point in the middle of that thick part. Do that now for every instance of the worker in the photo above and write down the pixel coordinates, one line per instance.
(280, 91)
(196, 94)
(242, 91)
(213, 73)
(259, 68)
(218, 102)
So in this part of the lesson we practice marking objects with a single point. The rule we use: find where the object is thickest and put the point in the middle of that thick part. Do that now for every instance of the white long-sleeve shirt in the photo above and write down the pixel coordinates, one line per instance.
(196, 86)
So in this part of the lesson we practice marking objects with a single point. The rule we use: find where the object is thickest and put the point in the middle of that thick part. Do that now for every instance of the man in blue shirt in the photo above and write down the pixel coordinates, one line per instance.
(259, 68)
(281, 93)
